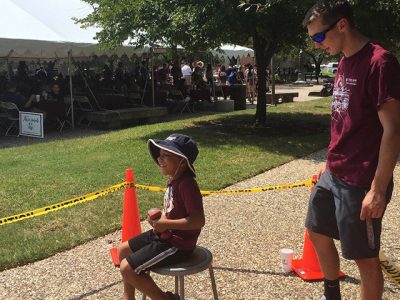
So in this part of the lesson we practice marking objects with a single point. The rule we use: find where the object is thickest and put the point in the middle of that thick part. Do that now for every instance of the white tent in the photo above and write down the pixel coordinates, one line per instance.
(44, 29)
(234, 50)
(238, 52)
(25, 49)
(49, 20)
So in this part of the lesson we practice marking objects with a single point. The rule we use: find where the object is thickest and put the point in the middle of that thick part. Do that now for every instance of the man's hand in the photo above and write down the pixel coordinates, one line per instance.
(161, 224)
(373, 205)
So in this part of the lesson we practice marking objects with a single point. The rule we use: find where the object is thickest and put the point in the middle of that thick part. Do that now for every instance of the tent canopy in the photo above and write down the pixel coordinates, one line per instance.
(27, 49)
(234, 50)
(44, 29)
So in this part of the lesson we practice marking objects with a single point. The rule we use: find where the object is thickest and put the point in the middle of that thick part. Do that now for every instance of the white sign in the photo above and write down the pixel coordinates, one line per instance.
(31, 124)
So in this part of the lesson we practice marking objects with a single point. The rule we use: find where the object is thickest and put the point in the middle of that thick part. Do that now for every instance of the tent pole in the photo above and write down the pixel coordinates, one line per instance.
(212, 72)
(272, 81)
(152, 73)
(70, 90)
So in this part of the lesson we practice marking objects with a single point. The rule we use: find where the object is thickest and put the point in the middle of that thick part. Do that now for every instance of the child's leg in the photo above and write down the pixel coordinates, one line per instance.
(143, 282)
(123, 251)
(137, 255)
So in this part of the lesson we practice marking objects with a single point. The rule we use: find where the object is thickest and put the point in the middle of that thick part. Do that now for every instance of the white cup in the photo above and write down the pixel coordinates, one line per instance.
(286, 259)
(37, 98)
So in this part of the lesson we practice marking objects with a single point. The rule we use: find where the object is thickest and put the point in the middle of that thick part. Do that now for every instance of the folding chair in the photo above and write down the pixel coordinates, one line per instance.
(182, 103)
(84, 106)
(63, 122)
(11, 112)
(218, 91)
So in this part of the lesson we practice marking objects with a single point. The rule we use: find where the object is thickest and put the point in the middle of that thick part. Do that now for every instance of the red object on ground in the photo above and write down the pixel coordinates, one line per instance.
(130, 217)
(308, 267)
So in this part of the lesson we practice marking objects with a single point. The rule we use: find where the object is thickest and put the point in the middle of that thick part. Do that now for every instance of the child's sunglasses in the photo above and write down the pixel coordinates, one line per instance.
(320, 36)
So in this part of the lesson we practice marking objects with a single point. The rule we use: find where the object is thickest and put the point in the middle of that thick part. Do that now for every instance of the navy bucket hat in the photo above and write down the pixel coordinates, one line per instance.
(179, 144)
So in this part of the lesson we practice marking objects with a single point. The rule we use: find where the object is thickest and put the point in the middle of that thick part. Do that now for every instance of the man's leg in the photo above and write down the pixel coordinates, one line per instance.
(371, 278)
(327, 255)
(329, 261)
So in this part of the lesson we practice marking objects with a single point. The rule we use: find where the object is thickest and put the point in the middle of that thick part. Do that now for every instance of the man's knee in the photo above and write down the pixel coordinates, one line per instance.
(368, 264)
(317, 238)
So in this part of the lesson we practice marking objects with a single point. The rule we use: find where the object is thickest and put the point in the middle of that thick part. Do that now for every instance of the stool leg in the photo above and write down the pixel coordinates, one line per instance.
(176, 285)
(214, 285)
(182, 287)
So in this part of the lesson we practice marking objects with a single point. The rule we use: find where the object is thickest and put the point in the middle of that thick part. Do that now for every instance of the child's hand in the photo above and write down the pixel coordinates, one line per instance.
(161, 224)
(151, 222)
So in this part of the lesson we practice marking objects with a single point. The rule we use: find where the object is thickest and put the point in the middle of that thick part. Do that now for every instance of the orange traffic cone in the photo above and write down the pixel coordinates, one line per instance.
(308, 267)
(130, 216)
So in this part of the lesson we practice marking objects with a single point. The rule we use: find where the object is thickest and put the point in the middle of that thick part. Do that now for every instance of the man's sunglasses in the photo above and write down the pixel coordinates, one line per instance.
(320, 36)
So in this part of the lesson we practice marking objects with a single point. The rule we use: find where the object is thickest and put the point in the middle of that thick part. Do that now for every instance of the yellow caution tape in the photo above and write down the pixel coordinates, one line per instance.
(390, 268)
(67, 203)
(308, 183)
(94, 195)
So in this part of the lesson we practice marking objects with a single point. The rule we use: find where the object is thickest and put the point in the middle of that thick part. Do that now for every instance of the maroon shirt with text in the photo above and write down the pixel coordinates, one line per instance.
(364, 82)
(181, 198)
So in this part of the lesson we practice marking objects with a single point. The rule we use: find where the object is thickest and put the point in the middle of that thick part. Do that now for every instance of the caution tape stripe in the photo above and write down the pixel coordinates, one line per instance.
(390, 268)
(64, 204)
(241, 191)
(94, 195)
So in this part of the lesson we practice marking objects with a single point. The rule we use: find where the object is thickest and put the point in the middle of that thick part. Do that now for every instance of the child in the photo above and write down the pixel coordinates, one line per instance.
(181, 221)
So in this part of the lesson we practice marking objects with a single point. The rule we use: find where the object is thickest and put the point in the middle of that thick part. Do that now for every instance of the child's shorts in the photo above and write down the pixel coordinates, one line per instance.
(149, 250)
(334, 211)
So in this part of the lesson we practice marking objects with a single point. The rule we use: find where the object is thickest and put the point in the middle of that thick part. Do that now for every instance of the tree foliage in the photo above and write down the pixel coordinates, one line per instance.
(270, 25)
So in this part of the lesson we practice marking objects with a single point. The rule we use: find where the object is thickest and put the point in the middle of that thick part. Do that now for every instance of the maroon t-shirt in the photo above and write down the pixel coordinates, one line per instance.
(364, 82)
(181, 198)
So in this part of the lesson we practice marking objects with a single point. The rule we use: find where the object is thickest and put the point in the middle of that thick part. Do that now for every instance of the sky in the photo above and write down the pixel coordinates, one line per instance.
(44, 20)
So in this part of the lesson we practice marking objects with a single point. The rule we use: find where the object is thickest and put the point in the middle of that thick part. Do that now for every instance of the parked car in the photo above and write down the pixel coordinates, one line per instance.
(332, 67)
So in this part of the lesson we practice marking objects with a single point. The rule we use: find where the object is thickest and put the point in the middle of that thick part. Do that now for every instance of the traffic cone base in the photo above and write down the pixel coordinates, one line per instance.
(308, 274)
(115, 256)
(308, 267)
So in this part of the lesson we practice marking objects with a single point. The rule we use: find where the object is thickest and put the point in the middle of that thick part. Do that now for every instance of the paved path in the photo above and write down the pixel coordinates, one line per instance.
(244, 232)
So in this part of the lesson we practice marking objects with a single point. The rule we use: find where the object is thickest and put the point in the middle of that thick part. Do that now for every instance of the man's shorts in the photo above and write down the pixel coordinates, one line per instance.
(149, 250)
(334, 211)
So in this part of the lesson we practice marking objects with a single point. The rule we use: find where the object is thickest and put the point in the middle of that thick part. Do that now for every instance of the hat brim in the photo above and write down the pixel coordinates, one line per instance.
(154, 147)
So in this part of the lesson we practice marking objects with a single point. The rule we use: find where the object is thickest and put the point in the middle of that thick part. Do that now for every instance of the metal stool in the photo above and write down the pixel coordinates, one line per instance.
(200, 260)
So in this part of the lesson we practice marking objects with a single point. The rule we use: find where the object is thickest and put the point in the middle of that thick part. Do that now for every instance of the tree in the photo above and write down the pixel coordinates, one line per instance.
(203, 25)
(270, 25)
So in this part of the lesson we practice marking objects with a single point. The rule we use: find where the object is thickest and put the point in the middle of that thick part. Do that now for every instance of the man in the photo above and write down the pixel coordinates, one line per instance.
(187, 74)
(351, 195)
(11, 95)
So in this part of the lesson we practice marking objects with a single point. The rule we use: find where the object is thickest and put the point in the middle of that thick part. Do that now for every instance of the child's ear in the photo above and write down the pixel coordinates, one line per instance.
(185, 163)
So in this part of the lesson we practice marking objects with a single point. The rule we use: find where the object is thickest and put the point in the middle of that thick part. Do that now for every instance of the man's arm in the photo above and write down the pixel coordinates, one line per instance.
(374, 202)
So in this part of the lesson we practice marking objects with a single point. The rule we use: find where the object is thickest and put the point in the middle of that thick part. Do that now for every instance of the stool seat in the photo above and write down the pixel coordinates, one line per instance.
(198, 261)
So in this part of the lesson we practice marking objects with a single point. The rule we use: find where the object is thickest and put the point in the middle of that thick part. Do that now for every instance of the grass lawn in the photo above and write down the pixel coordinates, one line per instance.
(230, 150)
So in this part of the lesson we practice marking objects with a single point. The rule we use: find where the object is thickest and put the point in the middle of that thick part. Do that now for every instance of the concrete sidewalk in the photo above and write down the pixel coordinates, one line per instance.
(244, 232)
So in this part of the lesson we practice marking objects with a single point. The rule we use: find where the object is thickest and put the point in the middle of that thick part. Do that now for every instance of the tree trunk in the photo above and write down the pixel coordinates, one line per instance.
(263, 52)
